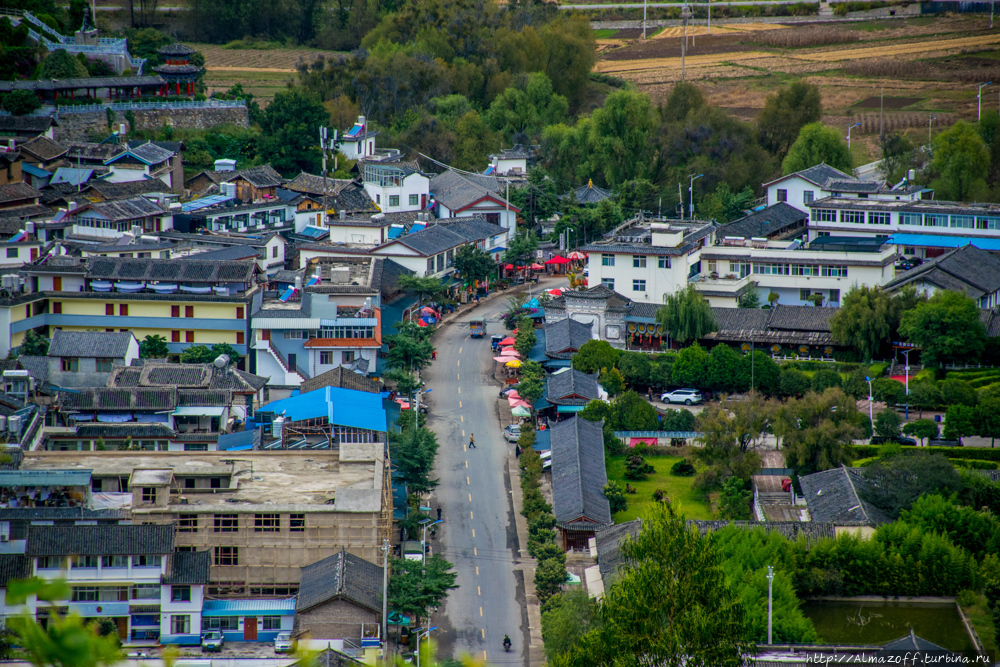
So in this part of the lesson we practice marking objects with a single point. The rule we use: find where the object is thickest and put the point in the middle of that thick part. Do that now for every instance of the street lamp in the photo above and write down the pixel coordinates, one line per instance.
(870, 419)
(691, 194)
(930, 119)
(849, 136)
(421, 635)
(770, 582)
(979, 99)
(686, 14)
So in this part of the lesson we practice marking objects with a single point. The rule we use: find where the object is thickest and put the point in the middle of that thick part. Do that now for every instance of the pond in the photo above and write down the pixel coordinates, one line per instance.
(877, 622)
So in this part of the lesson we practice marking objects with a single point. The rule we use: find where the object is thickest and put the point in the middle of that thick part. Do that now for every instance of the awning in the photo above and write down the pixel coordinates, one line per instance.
(541, 404)
(942, 241)
(199, 411)
(240, 448)
(563, 409)
(114, 417)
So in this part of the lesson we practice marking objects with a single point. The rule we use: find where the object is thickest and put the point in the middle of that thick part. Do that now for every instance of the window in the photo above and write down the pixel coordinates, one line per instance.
(713, 266)
(326, 357)
(57, 307)
(48, 562)
(227, 555)
(607, 260)
(240, 312)
(772, 269)
(109, 309)
(807, 196)
(274, 252)
(297, 523)
(663, 262)
(835, 296)
(608, 282)
(294, 335)
(180, 624)
(149, 494)
(833, 271)
(123, 309)
(878, 218)
(937, 220)
(271, 623)
(188, 336)
(393, 200)
(430, 266)
(378, 199)
(146, 592)
(104, 365)
(188, 522)
(963, 221)
(852, 216)
(414, 200)
(638, 285)
(11, 252)
(175, 311)
(85, 594)
(240, 338)
(84, 562)
(180, 593)
(114, 561)
(911, 219)
(221, 623)
(638, 261)
(804, 270)
(824, 215)
(266, 523)
(70, 365)
(227, 523)
(188, 311)
(783, 195)
(146, 561)
(804, 294)
(175, 336)
(347, 356)
(215, 483)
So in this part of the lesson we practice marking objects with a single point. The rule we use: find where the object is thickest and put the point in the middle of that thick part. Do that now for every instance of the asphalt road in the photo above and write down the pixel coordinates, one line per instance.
(478, 534)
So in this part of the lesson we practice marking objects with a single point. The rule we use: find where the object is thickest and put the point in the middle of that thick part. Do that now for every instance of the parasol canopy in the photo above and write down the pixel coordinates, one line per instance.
(514, 363)
(509, 352)
(576, 254)
(501, 360)
(555, 292)
(557, 260)
(509, 340)
(521, 412)
(427, 310)
(537, 267)
(509, 267)
(421, 323)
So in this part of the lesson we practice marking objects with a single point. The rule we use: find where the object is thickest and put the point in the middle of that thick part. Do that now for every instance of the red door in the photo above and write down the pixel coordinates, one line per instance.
(250, 629)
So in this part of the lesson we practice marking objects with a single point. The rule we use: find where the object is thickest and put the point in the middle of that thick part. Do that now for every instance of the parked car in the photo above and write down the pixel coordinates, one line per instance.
(283, 643)
(512, 432)
(212, 642)
(685, 396)
(901, 439)
(405, 405)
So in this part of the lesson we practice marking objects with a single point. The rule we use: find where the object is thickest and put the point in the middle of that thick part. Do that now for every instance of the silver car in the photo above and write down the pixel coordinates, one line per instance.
(685, 396)
(512, 432)
(283, 643)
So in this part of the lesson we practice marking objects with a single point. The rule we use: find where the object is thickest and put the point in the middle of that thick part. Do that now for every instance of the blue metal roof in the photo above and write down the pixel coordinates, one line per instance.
(44, 478)
(343, 407)
(205, 202)
(282, 607)
(37, 172)
(240, 441)
(542, 441)
(71, 175)
(314, 232)
(942, 241)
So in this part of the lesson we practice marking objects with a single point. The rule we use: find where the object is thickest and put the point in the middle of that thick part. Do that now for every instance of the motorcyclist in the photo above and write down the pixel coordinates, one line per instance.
(506, 642)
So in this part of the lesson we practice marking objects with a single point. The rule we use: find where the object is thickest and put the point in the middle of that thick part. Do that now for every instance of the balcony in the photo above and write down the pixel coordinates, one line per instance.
(714, 282)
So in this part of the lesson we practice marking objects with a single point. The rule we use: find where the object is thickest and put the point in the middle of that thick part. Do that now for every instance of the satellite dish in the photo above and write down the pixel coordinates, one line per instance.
(221, 361)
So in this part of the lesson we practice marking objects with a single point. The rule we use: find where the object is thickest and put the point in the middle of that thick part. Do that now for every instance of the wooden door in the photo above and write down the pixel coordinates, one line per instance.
(122, 623)
(57, 283)
(250, 629)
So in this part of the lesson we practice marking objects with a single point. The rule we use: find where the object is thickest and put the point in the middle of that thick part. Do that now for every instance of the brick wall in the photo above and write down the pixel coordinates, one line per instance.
(76, 126)
(336, 619)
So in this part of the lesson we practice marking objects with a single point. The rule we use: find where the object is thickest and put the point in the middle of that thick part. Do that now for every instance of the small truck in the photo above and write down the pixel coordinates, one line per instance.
(477, 328)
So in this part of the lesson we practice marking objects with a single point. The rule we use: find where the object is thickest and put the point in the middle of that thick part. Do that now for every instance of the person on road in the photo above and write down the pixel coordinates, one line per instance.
(439, 512)
(434, 354)
(472, 441)
(506, 643)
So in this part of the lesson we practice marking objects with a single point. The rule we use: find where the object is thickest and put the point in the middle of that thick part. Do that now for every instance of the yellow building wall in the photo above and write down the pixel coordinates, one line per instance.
(201, 336)
(216, 311)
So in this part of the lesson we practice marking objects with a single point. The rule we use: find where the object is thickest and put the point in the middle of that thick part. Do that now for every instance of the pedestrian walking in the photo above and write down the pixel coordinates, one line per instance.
(472, 441)
(434, 354)
(439, 512)
(517, 451)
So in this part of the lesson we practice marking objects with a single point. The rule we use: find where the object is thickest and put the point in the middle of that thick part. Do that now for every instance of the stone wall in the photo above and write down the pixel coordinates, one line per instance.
(76, 126)
(335, 619)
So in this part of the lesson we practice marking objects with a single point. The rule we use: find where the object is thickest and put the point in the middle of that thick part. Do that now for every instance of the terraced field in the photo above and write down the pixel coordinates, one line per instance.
(263, 72)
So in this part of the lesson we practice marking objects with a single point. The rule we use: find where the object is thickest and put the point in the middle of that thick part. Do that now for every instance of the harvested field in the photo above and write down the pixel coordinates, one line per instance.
(887, 102)
(706, 60)
(925, 48)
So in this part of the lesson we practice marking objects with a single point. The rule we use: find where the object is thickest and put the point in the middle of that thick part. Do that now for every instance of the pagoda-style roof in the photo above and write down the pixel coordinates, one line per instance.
(177, 70)
(176, 49)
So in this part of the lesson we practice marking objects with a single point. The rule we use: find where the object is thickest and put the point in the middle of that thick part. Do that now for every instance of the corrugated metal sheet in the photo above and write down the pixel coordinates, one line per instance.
(350, 322)
(941, 241)
(10, 478)
(342, 407)
(286, 323)
(282, 607)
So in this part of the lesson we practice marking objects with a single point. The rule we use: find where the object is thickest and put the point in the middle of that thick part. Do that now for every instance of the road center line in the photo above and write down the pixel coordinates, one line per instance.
(484, 633)
(467, 477)
(458, 376)
(484, 652)
(466, 464)
(460, 404)
(479, 589)
(477, 572)
(462, 417)
(470, 500)
(474, 552)
(470, 515)
(473, 532)
(460, 390)
(458, 363)
(460, 350)
(480, 612)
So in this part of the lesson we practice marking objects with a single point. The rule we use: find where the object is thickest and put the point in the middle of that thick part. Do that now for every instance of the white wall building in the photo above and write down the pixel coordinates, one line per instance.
(395, 187)
(804, 187)
(461, 196)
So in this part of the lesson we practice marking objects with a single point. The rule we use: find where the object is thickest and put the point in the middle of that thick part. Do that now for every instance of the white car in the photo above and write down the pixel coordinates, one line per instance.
(283, 643)
(512, 432)
(685, 396)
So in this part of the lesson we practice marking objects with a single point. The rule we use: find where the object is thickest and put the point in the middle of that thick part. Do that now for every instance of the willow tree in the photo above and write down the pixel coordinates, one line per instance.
(686, 315)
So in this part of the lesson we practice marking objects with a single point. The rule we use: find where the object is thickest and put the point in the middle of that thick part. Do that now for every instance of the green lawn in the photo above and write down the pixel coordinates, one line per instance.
(982, 621)
(605, 33)
(678, 489)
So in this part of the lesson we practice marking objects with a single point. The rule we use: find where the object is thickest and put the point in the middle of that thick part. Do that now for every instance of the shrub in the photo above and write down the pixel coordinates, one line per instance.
(682, 468)
(636, 468)
(660, 495)
(616, 497)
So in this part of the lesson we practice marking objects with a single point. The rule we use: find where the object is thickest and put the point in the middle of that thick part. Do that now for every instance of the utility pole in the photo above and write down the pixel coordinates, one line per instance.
(645, 2)
(322, 146)
(930, 119)
(680, 198)
(385, 592)
(979, 100)
(770, 582)
(849, 128)
(881, 105)
(686, 14)
(709, 17)
(691, 194)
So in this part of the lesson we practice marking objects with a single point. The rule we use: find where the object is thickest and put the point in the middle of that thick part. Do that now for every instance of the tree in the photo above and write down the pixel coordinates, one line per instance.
(947, 327)
(924, 395)
(635, 368)
(734, 426)
(888, 391)
(691, 369)
(817, 429)
(612, 381)
(758, 371)
(413, 451)
(408, 352)
(201, 354)
(569, 616)
(21, 102)
(864, 320)
(686, 315)
(923, 429)
(684, 99)
(817, 144)
(474, 264)
(895, 483)
(416, 586)
(524, 337)
(616, 497)
(987, 422)
(426, 288)
(897, 152)
(677, 420)
(723, 369)
(595, 355)
(290, 124)
(749, 299)
(959, 421)
(619, 136)
(670, 605)
(631, 412)
(887, 424)
(520, 248)
(785, 113)
(724, 205)
(734, 502)
(523, 109)
(550, 575)
(961, 161)
(61, 65)
(34, 345)
(957, 392)
(154, 347)
(825, 378)
(793, 382)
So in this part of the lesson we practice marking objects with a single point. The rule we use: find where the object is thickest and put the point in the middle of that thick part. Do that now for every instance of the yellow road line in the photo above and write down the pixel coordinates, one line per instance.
(462, 418)
(460, 390)
(477, 574)
(480, 612)
(474, 552)
(458, 363)
(460, 350)
(473, 532)
(466, 464)
(484, 633)
(460, 404)
(484, 651)
(467, 477)
(470, 515)
(470, 500)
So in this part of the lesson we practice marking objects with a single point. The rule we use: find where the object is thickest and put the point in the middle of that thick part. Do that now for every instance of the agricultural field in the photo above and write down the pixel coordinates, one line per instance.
(892, 74)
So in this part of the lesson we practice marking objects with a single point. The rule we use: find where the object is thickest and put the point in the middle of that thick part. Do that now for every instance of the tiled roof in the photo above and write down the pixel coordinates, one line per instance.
(820, 174)
(176, 49)
(144, 399)
(615, 301)
(179, 269)
(312, 184)
(92, 152)
(341, 575)
(591, 194)
(571, 387)
(100, 540)
(89, 344)
(565, 337)
(188, 567)
(18, 214)
(458, 192)
(128, 189)
(64, 514)
(391, 272)
(343, 378)
(609, 541)
(43, 148)
(17, 191)
(832, 495)
(578, 474)
(263, 176)
(852, 185)
(913, 642)
(646, 311)
(14, 566)
(781, 325)
(170, 146)
(36, 124)
(965, 269)
(125, 209)
(801, 318)
(148, 152)
(764, 223)
(437, 238)
(158, 373)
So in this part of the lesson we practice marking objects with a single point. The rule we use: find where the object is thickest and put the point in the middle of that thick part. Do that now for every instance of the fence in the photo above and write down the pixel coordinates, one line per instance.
(137, 106)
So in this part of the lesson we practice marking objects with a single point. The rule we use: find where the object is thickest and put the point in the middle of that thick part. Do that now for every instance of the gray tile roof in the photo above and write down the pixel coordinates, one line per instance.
(578, 474)
(36, 124)
(14, 566)
(112, 191)
(458, 192)
(341, 575)
(766, 223)
(571, 387)
(100, 540)
(343, 378)
(565, 337)
(17, 191)
(92, 152)
(646, 311)
(781, 325)
(967, 269)
(820, 174)
(615, 301)
(801, 318)
(164, 374)
(263, 176)
(125, 209)
(609, 540)
(103, 398)
(344, 194)
(63, 514)
(148, 152)
(182, 270)
(447, 233)
(101, 344)
(832, 495)
(590, 194)
(43, 148)
(188, 567)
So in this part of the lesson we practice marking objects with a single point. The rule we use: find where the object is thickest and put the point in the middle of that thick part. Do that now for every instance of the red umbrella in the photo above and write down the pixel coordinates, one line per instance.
(421, 323)
(509, 340)
(510, 352)
(576, 254)
(558, 260)
(509, 267)
(537, 267)
(555, 292)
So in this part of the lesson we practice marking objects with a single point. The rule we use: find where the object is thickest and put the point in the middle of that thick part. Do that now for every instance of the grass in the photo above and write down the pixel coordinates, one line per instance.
(605, 33)
(678, 489)
(982, 621)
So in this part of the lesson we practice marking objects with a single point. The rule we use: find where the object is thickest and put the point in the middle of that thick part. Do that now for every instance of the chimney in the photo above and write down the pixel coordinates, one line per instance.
(72, 206)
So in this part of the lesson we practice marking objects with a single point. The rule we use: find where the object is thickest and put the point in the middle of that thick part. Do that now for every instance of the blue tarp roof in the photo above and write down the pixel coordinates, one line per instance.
(537, 314)
(240, 441)
(392, 312)
(71, 175)
(282, 607)
(314, 232)
(205, 202)
(942, 241)
(343, 407)
(558, 363)
(542, 441)
(563, 409)
(541, 404)
(45, 478)
(37, 172)
(537, 352)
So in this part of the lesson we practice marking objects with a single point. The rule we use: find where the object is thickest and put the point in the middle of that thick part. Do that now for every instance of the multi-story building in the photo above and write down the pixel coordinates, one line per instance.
(267, 247)
(802, 188)
(358, 142)
(395, 186)
(463, 196)
(111, 219)
(82, 358)
(144, 162)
